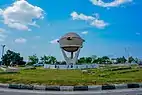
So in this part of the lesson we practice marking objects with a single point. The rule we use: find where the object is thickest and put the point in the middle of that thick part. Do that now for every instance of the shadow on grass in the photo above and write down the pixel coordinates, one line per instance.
(9, 72)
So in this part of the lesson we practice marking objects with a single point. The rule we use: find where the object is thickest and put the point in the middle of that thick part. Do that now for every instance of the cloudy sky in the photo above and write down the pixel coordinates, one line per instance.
(109, 27)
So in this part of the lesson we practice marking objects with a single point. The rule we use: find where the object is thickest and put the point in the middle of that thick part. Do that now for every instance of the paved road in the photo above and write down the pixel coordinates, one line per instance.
(108, 92)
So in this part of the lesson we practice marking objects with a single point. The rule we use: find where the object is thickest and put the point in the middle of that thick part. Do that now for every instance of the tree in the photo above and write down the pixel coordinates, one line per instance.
(88, 60)
(131, 59)
(33, 59)
(105, 59)
(44, 59)
(100, 60)
(12, 58)
(121, 60)
(81, 60)
(63, 63)
(53, 60)
(136, 60)
(48, 59)
(94, 59)
(113, 60)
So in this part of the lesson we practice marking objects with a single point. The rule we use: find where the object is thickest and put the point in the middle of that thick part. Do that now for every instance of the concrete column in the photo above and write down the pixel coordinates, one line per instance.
(72, 59)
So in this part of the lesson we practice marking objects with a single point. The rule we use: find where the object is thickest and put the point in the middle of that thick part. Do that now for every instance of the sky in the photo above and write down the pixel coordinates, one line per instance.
(110, 27)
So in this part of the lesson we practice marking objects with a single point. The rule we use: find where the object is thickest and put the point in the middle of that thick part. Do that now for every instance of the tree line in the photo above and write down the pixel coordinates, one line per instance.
(13, 58)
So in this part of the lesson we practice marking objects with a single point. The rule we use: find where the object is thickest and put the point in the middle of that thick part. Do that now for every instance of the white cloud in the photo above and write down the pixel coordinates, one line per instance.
(84, 32)
(76, 16)
(2, 34)
(18, 26)
(1, 11)
(94, 21)
(54, 41)
(99, 23)
(20, 40)
(114, 3)
(20, 15)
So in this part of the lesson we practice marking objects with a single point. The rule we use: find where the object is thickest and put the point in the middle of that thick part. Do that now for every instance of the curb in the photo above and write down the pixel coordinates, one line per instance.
(80, 88)
(108, 87)
(39, 87)
(94, 88)
(72, 88)
(52, 88)
(4, 85)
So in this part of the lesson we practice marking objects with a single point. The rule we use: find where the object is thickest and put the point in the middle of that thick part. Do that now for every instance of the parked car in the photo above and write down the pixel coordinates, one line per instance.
(38, 64)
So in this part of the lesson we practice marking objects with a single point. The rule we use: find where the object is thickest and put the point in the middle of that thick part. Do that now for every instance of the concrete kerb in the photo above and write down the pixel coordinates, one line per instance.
(52, 88)
(72, 88)
(39, 87)
(94, 88)
(120, 86)
(66, 88)
(4, 85)
(14, 86)
(80, 88)
(28, 87)
(108, 87)
(140, 85)
(133, 85)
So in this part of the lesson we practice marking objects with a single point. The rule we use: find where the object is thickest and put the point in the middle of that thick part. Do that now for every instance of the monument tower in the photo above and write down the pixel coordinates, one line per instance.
(71, 43)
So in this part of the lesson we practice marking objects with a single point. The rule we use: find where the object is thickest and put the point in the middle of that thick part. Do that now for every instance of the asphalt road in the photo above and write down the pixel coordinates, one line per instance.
(108, 92)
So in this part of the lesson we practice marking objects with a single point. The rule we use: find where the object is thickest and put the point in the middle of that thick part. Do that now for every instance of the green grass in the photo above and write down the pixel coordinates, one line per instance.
(73, 77)
(0, 69)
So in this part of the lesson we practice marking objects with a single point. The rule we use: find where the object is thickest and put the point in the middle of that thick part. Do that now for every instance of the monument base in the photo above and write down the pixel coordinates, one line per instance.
(84, 66)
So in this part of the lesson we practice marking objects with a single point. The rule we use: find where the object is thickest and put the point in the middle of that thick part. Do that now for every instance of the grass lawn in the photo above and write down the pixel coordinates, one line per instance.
(74, 77)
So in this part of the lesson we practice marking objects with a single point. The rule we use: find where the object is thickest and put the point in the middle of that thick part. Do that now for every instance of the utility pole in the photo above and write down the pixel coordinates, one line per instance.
(127, 52)
(3, 46)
